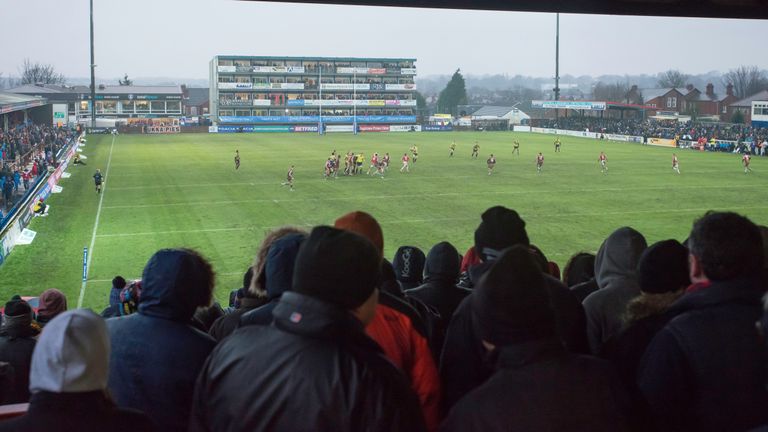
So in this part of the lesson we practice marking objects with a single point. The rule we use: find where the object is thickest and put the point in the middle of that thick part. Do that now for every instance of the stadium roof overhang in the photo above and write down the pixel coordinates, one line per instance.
(588, 105)
(10, 102)
(749, 9)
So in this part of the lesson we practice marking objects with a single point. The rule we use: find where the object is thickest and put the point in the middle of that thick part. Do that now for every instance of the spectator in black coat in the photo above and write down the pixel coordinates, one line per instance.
(17, 342)
(156, 353)
(537, 385)
(706, 369)
(317, 368)
(463, 365)
(68, 381)
(663, 276)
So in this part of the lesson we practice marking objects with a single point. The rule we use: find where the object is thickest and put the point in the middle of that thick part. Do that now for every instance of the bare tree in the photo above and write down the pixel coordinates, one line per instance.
(672, 78)
(34, 73)
(615, 92)
(746, 80)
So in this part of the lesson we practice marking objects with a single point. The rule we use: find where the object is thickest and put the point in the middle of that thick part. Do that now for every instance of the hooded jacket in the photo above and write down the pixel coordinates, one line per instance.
(538, 386)
(68, 381)
(156, 355)
(439, 289)
(314, 369)
(616, 275)
(705, 369)
(463, 364)
(278, 275)
(17, 343)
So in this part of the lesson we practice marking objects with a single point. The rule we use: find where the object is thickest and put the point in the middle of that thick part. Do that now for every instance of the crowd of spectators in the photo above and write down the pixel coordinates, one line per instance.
(326, 334)
(651, 128)
(27, 151)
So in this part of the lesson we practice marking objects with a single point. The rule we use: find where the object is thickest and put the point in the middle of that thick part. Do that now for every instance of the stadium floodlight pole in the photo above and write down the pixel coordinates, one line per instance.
(93, 76)
(320, 86)
(557, 63)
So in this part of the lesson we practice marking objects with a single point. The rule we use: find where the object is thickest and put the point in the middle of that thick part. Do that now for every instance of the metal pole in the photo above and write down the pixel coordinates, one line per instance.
(93, 76)
(320, 86)
(557, 63)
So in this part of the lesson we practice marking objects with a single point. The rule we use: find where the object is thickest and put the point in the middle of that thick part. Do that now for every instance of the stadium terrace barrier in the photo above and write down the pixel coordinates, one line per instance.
(12, 231)
(661, 142)
(519, 128)
(312, 128)
(437, 128)
(583, 134)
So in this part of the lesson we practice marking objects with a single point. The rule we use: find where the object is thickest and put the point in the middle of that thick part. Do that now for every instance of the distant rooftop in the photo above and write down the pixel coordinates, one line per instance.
(242, 57)
(110, 89)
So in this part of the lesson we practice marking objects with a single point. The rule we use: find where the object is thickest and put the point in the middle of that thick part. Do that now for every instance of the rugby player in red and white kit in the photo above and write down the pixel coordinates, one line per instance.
(539, 162)
(745, 161)
(675, 163)
(405, 160)
(603, 160)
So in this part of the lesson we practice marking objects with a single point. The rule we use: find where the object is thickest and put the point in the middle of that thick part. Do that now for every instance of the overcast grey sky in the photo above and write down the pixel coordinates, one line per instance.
(177, 38)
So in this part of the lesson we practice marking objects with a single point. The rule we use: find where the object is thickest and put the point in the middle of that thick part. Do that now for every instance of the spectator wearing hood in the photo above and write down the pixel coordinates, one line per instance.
(156, 354)
(399, 330)
(705, 369)
(463, 366)
(616, 275)
(579, 275)
(254, 292)
(52, 303)
(68, 381)
(409, 266)
(439, 290)
(276, 277)
(536, 384)
(662, 275)
(17, 342)
(318, 370)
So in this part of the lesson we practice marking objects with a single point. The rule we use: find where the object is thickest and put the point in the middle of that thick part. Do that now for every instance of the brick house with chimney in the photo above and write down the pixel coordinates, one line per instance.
(709, 103)
(745, 106)
(665, 99)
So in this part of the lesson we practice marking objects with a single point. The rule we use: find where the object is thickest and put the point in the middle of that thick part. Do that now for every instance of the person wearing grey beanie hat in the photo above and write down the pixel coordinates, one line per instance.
(68, 380)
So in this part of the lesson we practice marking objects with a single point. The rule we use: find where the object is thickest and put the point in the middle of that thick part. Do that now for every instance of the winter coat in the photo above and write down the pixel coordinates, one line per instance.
(227, 324)
(584, 289)
(397, 328)
(439, 290)
(538, 386)
(76, 412)
(156, 355)
(705, 370)
(16, 348)
(462, 365)
(314, 369)
(615, 272)
(278, 275)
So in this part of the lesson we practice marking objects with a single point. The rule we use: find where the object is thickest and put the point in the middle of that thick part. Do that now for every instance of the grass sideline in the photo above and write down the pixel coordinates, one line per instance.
(183, 191)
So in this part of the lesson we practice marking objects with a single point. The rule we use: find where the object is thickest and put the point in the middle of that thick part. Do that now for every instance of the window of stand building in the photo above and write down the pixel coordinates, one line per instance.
(106, 106)
(277, 63)
(128, 106)
(157, 106)
(260, 112)
(358, 64)
(375, 65)
(226, 78)
(173, 106)
(293, 63)
(244, 113)
(226, 112)
(242, 79)
(142, 106)
(225, 62)
(310, 66)
(276, 79)
(260, 80)
(242, 63)
(260, 63)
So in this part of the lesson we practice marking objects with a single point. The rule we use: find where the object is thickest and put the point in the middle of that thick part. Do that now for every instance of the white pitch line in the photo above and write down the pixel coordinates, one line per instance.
(528, 217)
(95, 226)
(420, 196)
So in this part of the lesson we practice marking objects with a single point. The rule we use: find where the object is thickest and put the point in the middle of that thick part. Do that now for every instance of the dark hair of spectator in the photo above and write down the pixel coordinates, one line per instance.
(728, 245)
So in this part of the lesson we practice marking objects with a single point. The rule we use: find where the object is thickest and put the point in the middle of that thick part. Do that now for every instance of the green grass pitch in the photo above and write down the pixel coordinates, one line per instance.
(183, 191)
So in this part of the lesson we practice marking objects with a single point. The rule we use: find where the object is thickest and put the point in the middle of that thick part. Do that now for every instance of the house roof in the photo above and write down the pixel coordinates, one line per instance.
(653, 93)
(492, 111)
(57, 89)
(747, 102)
(197, 96)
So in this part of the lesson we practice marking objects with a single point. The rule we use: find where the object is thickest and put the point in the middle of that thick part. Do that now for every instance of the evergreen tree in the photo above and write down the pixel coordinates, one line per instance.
(453, 95)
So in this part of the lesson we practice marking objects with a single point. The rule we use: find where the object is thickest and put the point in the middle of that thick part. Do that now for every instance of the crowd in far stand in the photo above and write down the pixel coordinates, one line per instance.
(652, 128)
(327, 335)
(27, 151)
